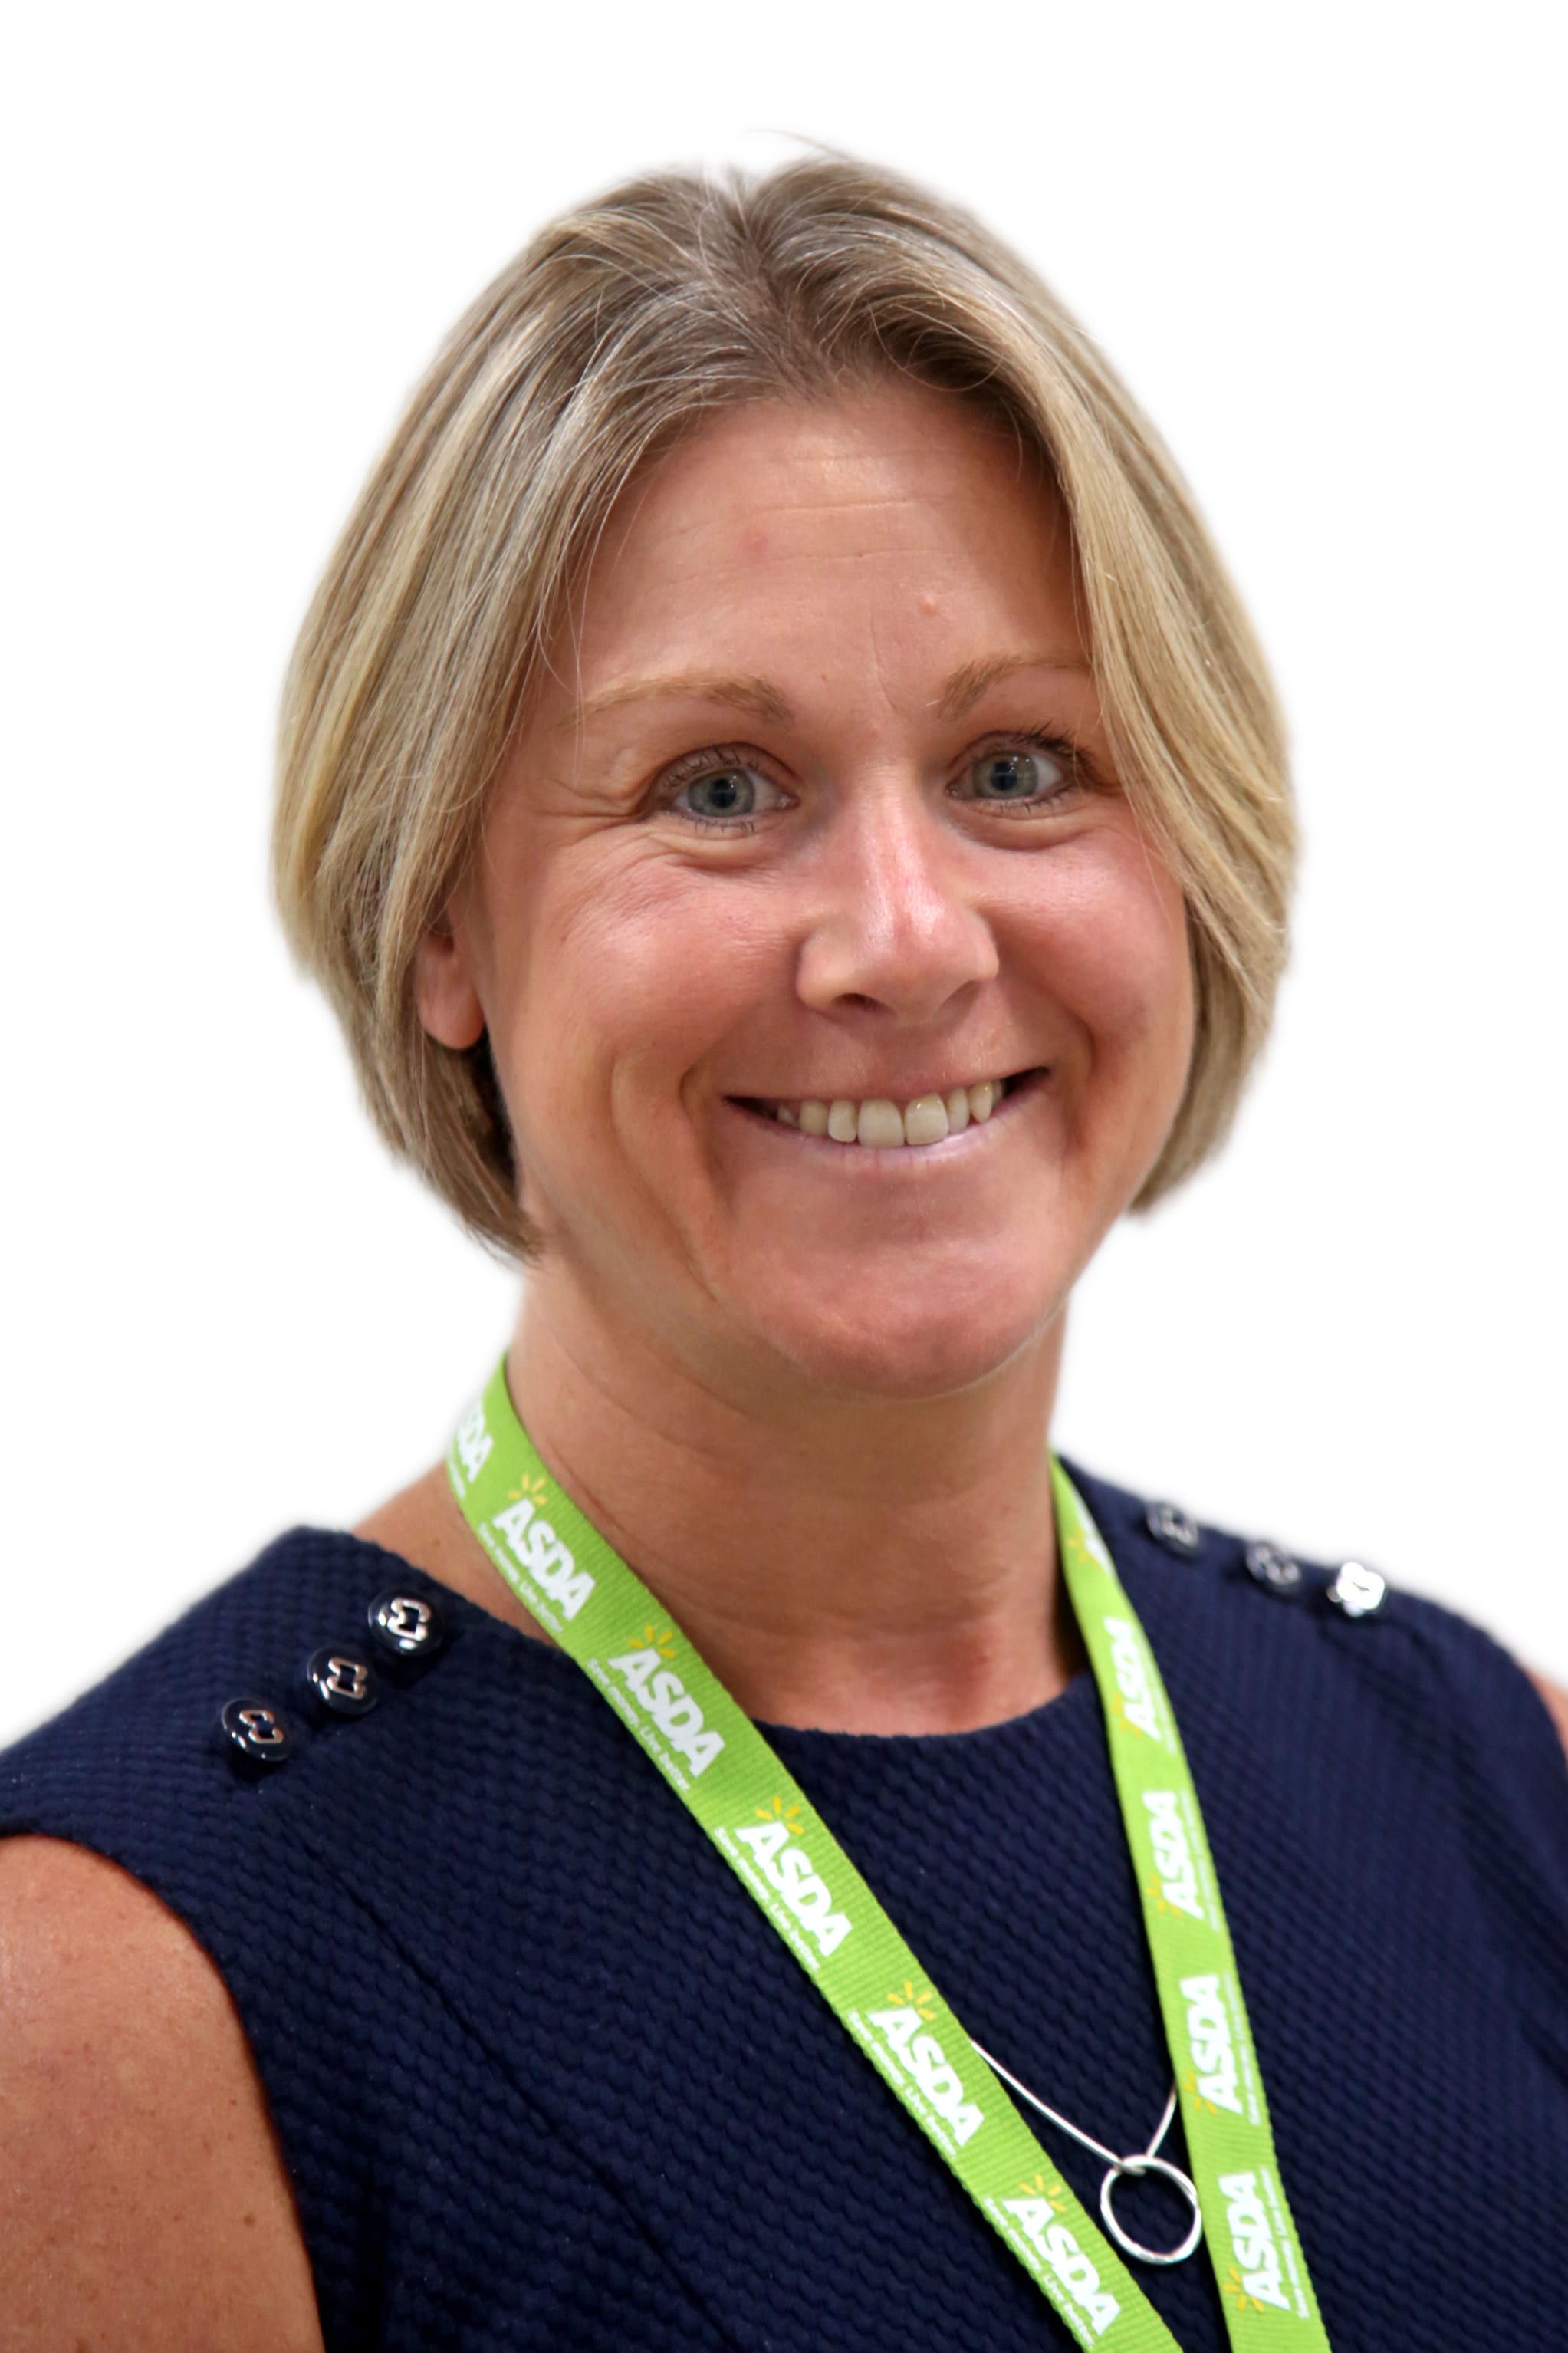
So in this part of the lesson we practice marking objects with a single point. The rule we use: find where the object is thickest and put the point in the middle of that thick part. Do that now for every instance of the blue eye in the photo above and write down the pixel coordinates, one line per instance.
(726, 794)
(1015, 774)
(730, 793)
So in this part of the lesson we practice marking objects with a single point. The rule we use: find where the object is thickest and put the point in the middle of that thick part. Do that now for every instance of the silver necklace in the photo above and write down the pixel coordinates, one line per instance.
(1148, 2160)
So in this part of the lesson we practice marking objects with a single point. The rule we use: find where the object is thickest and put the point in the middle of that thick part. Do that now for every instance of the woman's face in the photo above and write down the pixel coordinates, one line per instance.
(818, 811)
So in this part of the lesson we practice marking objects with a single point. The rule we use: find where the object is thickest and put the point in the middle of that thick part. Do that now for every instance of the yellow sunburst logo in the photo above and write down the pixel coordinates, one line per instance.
(1153, 1884)
(1233, 2286)
(530, 1490)
(1052, 2191)
(775, 1811)
(909, 1995)
(1191, 2080)
(1078, 1548)
(655, 1638)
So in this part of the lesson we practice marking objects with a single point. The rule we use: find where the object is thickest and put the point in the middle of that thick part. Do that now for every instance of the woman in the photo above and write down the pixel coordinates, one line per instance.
(792, 820)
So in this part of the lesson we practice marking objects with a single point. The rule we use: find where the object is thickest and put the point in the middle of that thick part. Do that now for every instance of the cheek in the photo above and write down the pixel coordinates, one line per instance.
(1112, 947)
(634, 969)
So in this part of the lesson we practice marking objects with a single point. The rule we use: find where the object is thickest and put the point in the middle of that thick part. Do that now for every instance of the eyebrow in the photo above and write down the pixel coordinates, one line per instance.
(971, 680)
(739, 692)
(960, 691)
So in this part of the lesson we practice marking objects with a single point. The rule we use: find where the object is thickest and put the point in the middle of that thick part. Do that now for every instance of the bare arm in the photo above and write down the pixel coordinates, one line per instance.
(1556, 1703)
(143, 2202)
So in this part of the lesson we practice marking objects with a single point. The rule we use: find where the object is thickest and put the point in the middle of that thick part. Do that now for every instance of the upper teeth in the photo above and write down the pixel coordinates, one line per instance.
(883, 1125)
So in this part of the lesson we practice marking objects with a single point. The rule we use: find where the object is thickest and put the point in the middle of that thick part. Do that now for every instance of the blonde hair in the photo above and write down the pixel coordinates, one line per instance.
(624, 324)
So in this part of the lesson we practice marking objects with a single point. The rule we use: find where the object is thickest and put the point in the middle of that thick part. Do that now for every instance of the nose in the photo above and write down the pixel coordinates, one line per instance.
(895, 930)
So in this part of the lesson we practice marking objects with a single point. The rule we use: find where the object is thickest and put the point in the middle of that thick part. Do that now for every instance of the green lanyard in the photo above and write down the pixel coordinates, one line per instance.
(767, 1830)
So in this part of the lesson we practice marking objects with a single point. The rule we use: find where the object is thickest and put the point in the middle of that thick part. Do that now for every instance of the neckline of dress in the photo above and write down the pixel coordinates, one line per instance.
(1076, 1693)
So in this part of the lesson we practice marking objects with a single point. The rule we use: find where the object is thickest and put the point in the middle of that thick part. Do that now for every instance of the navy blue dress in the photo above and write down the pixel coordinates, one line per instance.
(544, 2078)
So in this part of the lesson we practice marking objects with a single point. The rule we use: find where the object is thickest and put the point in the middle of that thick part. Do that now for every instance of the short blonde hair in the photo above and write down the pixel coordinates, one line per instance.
(621, 326)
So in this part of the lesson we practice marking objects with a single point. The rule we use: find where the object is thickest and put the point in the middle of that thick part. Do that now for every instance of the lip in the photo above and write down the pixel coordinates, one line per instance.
(898, 1091)
(1023, 1087)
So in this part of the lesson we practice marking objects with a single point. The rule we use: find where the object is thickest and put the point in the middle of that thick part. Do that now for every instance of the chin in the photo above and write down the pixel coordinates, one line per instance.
(912, 1346)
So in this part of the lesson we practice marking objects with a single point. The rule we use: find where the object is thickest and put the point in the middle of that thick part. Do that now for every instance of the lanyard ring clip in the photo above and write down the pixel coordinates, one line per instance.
(1129, 2245)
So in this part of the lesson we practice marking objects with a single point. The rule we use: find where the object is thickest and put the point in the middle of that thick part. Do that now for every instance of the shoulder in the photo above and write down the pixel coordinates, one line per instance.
(310, 1660)
(1344, 1630)
(1326, 1711)
(144, 1742)
(164, 1898)
(139, 2174)
(329, 1900)
(1555, 1699)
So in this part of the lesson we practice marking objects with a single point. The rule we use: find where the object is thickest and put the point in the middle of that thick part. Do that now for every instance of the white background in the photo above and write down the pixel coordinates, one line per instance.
(1321, 245)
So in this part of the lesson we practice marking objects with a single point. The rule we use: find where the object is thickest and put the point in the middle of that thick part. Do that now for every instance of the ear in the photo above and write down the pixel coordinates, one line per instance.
(444, 992)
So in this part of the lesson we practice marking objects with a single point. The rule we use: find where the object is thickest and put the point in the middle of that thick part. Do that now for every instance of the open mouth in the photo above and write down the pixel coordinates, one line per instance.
(876, 1124)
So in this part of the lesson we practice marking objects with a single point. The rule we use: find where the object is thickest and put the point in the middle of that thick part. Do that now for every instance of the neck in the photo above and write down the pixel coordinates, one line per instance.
(853, 1565)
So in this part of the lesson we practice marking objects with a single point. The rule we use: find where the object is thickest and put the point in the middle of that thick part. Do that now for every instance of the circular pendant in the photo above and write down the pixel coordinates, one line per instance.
(1172, 2173)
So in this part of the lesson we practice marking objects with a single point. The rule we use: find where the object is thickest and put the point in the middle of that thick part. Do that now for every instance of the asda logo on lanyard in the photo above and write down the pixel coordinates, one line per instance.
(924, 2062)
(660, 1692)
(1135, 1692)
(1254, 2278)
(519, 1536)
(473, 1440)
(773, 1843)
(1035, 2215)
(1178, 1878)
(1211, 2043)
(540, 1554)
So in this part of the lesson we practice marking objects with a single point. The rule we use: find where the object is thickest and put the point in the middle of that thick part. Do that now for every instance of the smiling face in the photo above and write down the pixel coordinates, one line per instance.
(815, 829)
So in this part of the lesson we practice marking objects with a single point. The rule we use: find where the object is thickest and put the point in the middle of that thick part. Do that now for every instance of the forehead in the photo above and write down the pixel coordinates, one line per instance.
(897, 506)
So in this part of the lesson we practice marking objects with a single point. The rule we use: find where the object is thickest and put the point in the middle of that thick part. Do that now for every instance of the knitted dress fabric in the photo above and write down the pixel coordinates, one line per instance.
(545, 2077)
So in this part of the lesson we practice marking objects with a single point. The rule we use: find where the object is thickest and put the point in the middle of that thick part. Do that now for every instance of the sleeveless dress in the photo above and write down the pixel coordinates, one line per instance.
(545, 2079)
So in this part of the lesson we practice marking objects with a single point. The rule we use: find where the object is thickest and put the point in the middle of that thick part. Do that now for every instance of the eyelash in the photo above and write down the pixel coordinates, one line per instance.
(716, 757)
(706, 763)
(1076, 768)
